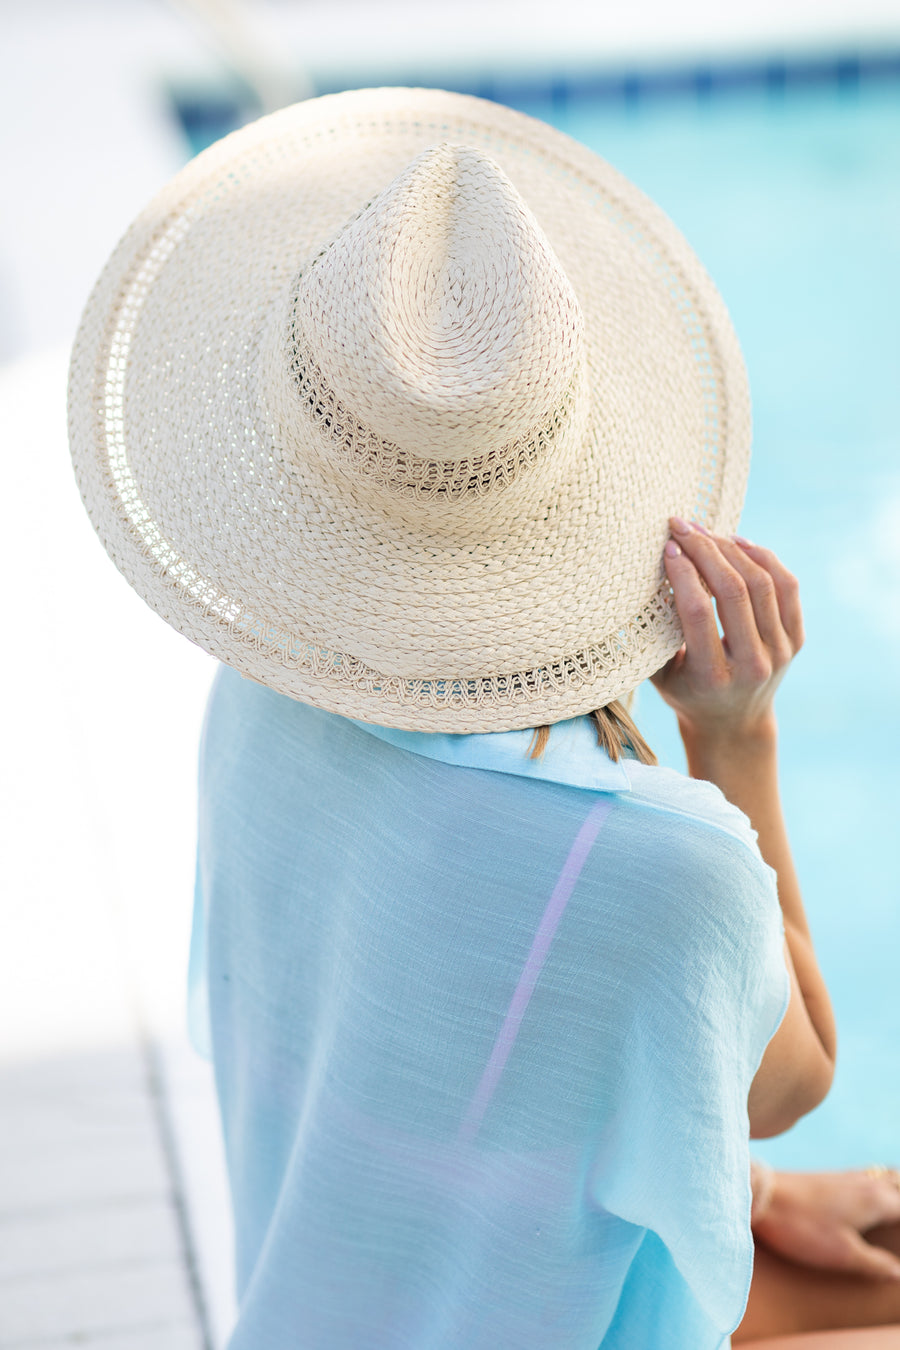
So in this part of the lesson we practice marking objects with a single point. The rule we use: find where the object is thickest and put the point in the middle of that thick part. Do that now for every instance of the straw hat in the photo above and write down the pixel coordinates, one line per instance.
(385, 401)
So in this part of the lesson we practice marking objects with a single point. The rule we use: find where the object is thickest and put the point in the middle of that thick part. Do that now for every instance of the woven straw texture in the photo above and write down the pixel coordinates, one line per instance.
(385, 401)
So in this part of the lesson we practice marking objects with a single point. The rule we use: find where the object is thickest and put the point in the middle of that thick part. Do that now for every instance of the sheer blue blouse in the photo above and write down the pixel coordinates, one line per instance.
(483, 1030)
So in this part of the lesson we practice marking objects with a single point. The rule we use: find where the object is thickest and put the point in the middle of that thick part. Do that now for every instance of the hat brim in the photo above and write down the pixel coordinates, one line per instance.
(304, 580)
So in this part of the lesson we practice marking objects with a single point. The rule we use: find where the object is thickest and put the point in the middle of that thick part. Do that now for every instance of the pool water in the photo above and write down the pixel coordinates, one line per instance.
(793, 202)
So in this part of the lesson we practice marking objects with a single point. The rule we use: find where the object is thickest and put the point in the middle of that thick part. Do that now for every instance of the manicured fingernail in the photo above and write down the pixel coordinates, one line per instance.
(672, 549)
(744, 543)
(679, 526)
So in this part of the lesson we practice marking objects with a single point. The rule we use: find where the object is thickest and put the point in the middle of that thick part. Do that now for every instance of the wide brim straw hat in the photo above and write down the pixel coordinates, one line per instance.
(386, 399)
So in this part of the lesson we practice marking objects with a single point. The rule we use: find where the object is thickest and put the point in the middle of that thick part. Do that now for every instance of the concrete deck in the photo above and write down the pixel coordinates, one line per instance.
(114, 1225)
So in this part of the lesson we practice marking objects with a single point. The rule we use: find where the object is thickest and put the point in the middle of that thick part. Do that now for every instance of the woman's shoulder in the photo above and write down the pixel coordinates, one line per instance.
(695, 800)
(696, 840)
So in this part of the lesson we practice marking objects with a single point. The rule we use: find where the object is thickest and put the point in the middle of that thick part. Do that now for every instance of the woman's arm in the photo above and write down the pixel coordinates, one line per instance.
(722, 690)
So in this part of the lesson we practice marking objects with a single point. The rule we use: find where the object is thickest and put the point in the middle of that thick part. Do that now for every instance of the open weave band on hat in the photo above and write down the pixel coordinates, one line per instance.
(386, 399)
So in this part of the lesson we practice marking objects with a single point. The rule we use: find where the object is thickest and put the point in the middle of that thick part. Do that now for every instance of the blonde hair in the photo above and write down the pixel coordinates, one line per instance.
(616, 732)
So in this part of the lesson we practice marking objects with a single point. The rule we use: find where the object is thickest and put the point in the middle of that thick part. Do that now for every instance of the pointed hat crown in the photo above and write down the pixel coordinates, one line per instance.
(440, 316)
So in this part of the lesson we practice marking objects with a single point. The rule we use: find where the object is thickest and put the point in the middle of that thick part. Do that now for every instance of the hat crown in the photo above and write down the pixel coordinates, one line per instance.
(440, 316)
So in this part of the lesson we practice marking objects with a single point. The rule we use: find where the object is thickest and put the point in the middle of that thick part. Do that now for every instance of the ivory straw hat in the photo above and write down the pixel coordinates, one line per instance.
(385, 401)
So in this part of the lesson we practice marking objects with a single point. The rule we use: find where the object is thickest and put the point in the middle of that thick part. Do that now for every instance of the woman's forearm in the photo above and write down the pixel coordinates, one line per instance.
(744, 766)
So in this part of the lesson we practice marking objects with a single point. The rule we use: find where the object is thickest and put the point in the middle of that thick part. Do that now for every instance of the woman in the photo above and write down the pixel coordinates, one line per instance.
(391, 402)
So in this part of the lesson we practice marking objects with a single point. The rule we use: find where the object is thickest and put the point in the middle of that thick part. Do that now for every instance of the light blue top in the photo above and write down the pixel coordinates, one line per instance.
(483, 1031)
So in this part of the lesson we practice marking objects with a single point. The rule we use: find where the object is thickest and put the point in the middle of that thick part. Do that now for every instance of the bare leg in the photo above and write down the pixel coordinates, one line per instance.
(872, 1338)
(787, 1299)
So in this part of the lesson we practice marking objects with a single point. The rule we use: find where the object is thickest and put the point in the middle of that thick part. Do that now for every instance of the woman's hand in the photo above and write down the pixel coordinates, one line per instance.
(723, 687)
(819, 1218)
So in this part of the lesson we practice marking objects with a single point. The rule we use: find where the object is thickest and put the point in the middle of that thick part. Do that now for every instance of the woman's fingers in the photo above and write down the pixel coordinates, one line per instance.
(702, 644)
(732, 596)
(875, 1196)
(757, 598)
(854, 1253)
(764, 598)
(787, 588)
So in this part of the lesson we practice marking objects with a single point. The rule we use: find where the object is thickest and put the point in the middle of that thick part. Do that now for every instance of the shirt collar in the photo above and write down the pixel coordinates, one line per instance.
(572, 755)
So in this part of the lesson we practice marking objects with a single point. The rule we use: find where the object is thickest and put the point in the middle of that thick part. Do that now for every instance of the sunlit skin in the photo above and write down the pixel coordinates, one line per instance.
(721, 687)
(827, 1249)
(815, 1274)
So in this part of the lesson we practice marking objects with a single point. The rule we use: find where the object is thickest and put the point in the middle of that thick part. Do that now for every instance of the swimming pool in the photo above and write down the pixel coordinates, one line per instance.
(786, 180)
(792, 199)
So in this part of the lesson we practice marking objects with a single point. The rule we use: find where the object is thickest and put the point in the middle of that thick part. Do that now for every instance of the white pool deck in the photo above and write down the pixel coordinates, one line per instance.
(114, 1226)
